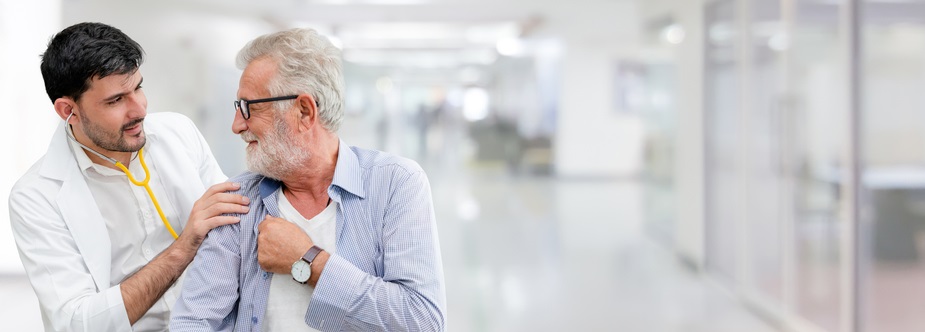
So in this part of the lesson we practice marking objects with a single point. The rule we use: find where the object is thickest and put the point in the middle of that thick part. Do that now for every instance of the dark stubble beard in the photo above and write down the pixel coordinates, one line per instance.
(109, 140)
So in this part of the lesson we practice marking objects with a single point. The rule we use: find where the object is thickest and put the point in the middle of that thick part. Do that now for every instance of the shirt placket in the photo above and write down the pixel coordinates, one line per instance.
(146, 211)
(151, 221)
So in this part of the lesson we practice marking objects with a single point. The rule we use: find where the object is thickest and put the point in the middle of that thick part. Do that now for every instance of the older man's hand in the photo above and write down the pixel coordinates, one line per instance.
(279, 244)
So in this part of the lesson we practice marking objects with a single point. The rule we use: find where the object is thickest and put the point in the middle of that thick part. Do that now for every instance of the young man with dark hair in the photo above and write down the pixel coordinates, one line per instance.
(103, 235)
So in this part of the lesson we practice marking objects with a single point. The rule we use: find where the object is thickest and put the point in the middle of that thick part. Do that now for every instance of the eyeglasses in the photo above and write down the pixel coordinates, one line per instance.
(242, 104)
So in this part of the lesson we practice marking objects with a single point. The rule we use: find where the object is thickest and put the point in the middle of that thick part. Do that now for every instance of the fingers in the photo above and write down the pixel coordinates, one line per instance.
(221, 187)
(265, 264)
(224, 208)
(227, 198)
(208, 212)
(210, 198)
(220, 221)
(216, 201)
(267, 221)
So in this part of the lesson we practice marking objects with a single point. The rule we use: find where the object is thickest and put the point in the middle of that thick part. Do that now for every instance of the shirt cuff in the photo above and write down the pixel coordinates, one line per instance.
(115, 306)
(338, 287)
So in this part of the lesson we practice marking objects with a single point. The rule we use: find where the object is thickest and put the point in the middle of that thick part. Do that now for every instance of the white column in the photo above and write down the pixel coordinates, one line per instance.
(689, 162)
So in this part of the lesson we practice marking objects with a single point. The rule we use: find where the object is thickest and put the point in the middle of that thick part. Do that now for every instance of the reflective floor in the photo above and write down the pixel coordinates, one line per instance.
(525, 253)
(528, 253)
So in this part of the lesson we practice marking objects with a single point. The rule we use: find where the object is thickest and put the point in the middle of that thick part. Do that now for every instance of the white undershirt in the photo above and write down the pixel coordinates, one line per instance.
(136, 232)
(288, 299)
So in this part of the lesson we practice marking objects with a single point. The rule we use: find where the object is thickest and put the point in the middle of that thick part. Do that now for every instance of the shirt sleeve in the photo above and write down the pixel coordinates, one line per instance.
(410, 296)
(68, 296)
(208, 301)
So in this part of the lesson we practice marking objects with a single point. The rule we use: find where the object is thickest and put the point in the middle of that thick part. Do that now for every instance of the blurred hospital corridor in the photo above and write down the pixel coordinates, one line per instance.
(595, 165)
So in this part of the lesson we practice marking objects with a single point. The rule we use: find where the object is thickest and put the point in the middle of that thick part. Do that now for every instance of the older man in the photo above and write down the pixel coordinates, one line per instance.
(338, 237)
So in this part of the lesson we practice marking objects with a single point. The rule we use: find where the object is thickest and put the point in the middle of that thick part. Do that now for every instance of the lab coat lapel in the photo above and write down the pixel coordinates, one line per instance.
(78, 208)
(180, 188)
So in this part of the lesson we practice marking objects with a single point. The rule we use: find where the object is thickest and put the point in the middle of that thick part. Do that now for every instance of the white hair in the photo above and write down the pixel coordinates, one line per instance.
(306, 62)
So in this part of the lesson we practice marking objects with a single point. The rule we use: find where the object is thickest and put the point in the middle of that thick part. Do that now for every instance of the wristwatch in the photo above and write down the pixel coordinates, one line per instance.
(302, 268)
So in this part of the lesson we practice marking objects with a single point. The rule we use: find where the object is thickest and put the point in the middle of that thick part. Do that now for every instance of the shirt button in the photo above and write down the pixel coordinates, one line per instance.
(254, 319)
(266, 275)
(148, 252)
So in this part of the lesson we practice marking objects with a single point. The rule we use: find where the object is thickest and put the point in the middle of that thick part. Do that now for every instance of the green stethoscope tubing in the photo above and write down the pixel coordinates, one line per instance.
(143, 183)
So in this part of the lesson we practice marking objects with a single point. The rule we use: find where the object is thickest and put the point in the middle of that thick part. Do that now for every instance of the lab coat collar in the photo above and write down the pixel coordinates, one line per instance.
(59, 161)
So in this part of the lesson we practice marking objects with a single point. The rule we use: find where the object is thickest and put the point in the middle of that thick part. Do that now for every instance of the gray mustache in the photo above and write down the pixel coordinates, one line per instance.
(248, 136)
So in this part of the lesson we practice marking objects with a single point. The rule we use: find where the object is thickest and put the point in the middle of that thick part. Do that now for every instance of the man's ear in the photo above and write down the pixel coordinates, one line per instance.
(309, 109)
(64, 106)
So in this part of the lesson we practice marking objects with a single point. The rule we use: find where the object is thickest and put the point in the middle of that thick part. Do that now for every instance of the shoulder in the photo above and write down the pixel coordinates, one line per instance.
(32, 188)
(389, 172)
(375, 161)
(250, 188)
(247, 179)
(250, 184)
(31, 180)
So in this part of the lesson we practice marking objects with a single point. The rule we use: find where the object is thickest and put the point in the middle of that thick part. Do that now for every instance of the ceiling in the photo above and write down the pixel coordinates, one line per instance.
(420, 33)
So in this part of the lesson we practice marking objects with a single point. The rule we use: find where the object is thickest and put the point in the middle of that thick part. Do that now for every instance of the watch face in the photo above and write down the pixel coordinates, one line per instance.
(301, 271)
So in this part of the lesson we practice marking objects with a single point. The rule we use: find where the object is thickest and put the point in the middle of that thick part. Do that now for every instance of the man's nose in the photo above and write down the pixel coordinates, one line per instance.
(239, 124)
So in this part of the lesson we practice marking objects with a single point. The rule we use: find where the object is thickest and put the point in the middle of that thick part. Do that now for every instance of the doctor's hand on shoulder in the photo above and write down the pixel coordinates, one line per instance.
(208, 213)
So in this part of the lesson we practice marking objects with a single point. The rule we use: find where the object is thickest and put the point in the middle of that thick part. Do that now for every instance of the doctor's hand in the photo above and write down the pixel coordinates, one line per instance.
(279, 244)
(208, 213)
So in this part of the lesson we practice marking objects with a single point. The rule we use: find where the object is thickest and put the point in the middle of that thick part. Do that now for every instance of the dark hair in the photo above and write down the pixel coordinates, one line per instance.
(85, 51)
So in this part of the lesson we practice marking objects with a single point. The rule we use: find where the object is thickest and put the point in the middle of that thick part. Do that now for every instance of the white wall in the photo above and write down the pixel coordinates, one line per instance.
(592, 138)
(28, 117)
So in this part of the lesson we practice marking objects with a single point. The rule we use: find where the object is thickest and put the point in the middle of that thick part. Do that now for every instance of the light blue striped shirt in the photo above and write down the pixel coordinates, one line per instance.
(387, 274)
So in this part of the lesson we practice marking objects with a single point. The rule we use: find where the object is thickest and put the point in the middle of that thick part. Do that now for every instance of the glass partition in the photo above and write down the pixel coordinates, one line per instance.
(817, 113)
(766, 143)
(893, 162)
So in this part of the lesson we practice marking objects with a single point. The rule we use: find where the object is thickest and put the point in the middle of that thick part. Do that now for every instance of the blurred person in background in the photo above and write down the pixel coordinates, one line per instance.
(338, 237)
(96, 253)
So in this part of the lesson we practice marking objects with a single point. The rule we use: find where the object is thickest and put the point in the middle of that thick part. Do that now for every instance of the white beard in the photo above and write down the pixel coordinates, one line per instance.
(275, 156)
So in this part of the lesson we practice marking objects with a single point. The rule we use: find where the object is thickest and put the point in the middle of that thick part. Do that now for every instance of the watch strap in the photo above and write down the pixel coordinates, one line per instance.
(311, 254)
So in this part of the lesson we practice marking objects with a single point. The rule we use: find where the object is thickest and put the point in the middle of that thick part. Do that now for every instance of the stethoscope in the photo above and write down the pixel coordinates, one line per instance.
(143, 183)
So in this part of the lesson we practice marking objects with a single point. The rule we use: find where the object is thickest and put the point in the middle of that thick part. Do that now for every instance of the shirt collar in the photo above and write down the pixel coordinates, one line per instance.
(347, 173)
(83, 162)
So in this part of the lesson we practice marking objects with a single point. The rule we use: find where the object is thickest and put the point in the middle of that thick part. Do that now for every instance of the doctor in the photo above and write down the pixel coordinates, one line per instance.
(95, 219)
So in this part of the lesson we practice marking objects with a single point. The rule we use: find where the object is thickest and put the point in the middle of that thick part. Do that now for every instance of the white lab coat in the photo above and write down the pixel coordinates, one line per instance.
(63, 240)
